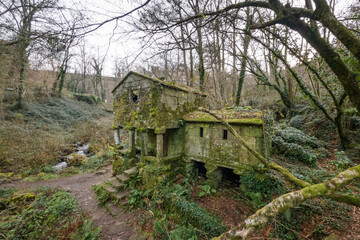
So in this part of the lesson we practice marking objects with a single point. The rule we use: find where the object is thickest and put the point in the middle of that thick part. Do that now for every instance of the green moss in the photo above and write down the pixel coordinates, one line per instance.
(232, 116)
(118, 166)
(160, 130)
(250, 121)
(141, 129)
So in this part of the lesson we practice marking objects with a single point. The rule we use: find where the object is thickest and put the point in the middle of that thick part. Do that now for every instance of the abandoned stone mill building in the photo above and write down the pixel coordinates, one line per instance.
(163, 122)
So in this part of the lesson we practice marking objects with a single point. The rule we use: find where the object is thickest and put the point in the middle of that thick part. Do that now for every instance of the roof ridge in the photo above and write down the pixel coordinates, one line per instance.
(167, 84)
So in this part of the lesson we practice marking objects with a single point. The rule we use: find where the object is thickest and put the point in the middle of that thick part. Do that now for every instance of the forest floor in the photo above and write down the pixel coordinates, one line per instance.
(114, 221)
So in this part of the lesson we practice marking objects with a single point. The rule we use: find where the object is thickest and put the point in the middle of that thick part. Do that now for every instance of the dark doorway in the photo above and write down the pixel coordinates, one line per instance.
(165, 144)
(229, 178)
(199, 169)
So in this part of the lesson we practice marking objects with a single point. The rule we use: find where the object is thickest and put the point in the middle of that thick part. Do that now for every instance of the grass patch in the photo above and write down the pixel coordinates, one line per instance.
(43, 214)
(36, 136)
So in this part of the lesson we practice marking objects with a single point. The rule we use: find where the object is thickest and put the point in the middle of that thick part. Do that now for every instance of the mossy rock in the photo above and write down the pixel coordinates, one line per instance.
(118, 166)
(76, 160)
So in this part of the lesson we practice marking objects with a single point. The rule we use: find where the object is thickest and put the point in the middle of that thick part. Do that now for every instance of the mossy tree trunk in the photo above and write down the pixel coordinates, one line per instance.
(263, 215)
(24, 42)
(290, 200)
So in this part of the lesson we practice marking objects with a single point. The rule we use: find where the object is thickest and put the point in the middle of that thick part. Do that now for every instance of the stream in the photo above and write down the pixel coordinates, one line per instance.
(80, 149)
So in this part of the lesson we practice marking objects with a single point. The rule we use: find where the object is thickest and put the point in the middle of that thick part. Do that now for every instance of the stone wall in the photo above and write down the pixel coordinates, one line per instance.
(176, 141)
(215, 151)
(158, 105)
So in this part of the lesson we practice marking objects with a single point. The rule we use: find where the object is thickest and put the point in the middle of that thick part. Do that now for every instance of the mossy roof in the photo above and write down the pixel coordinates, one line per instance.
(249, 117)
(173, 85)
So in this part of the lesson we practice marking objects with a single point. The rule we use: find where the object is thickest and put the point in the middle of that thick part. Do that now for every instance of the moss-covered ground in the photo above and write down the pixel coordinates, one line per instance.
(43, 214)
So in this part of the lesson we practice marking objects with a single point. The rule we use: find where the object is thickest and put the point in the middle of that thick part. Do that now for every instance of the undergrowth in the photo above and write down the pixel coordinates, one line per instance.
(260, 188)
(290, 224)
(36, 136)
(297, 146)
(174, 213)
(43, 214)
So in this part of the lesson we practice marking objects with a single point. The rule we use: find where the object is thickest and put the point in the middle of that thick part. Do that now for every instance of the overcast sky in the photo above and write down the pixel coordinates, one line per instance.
(114, 40)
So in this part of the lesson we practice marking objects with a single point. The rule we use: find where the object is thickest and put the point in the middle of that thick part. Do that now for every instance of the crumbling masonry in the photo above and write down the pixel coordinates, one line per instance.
(163, 120)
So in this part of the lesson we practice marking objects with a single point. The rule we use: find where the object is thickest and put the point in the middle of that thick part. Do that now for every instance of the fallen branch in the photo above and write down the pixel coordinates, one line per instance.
(290, 200)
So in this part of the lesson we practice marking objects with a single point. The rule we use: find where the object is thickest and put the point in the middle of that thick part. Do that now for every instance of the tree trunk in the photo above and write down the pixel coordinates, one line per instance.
(22, 78)
(201, 67)
(347, 78)
(338, 121)
(244, 58)
(290, 200)
(62, 79)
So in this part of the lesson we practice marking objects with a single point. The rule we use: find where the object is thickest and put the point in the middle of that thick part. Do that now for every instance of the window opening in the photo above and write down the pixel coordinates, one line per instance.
(201, 132)
(225, 134)
(135, 96)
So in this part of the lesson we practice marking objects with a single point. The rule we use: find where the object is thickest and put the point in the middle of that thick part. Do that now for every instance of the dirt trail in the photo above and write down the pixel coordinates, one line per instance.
(115, 225)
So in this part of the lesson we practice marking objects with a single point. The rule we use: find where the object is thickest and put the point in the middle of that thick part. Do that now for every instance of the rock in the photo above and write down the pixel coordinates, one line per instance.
(121, 195)
(59, 166)
(76, 160)
(115, 182)
(129, 171)
(121, 177)
(101, 172)
(83, 150)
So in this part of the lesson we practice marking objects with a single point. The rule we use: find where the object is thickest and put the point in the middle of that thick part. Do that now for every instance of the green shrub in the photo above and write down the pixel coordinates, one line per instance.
(94, 163)
(296, 121)
(86, 231)
(190, 212)
(59, 112)
(341, 161)
(88, 98)
(183, 232)
(297, 146)
(260, 187)
(61, 204)
(44, 214)
(103, 196)
(174, 200)
(206, 190)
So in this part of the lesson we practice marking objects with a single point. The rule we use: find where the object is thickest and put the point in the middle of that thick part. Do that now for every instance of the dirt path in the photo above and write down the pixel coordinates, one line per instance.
(115, 224)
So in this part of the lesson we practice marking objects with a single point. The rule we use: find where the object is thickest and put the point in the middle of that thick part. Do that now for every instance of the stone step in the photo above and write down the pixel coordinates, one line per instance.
(110, 189)
(121, 195)
(129, 171)
(115, 182)
(121, 177)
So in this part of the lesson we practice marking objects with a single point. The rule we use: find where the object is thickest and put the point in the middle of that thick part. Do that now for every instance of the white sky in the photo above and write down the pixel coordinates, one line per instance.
(104, 43)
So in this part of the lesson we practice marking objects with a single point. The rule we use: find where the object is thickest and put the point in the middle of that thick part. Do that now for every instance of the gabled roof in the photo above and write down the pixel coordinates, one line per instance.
(164, 83)
(249, 117)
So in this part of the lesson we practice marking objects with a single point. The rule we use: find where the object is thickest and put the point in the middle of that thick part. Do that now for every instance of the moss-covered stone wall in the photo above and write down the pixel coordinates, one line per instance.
(215, 151)
(157, 105)
(176, 141)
